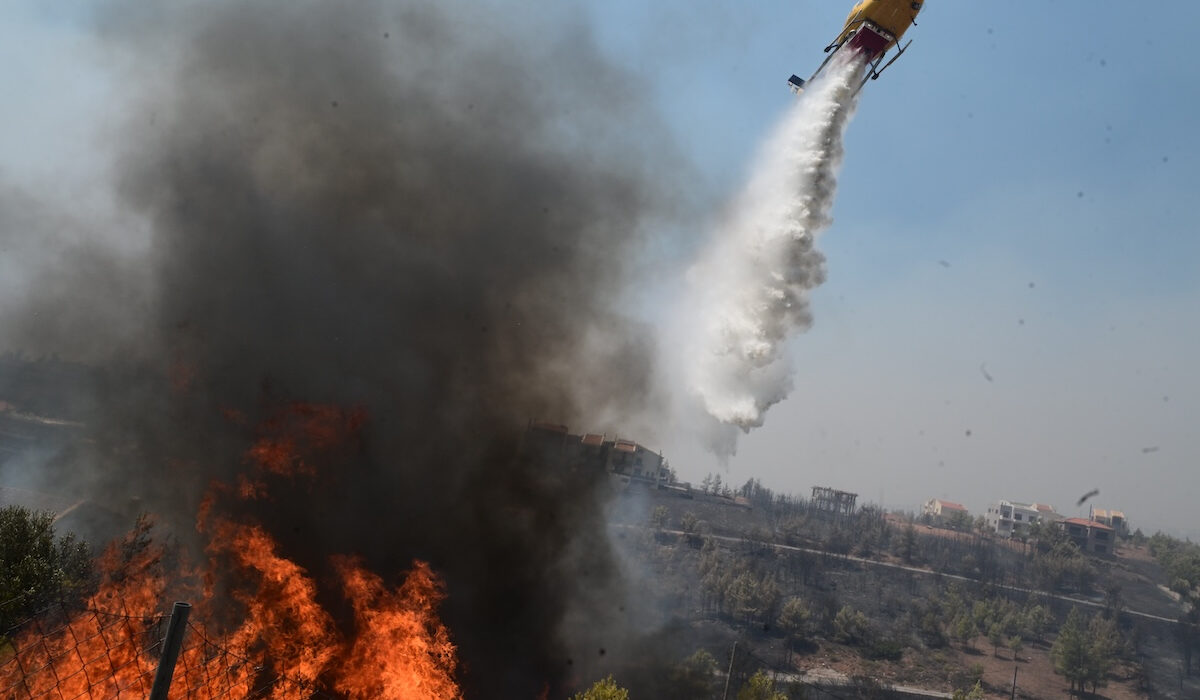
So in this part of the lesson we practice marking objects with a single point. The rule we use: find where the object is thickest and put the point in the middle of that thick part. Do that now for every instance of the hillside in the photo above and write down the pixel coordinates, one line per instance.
(905, 606)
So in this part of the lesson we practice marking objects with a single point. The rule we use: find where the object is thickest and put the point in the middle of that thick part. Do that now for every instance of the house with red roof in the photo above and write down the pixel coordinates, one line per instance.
(1090, 535)
(940, 512)
(628, 460)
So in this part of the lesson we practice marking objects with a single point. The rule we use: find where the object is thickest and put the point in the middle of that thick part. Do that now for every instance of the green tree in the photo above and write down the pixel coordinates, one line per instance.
(965, 630)
(960, 520)
(931, 631)
(606, 689)
(1038, 619)
(995, 635)
(760, 687)
(35, 566)
(658, 517)
(1071, 650)
(793, 620)
(752, 597)
(850, 626)
(1104, 643)
(975, 693)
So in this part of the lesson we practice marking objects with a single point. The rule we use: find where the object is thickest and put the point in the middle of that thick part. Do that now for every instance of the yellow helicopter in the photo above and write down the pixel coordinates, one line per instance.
(872, 29)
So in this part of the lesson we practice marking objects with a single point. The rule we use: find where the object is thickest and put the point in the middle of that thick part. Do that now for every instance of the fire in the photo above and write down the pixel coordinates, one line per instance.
(283, 644)
(95, 655)
(402, 649)
(282, 620)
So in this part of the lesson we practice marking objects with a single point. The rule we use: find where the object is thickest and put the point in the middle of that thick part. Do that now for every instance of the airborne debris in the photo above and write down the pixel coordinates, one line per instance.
(1084, 497)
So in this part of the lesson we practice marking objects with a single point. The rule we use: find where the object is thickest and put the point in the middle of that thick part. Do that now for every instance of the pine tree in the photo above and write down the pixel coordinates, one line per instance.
(606, 689)
(1071, 650)
(760, 687)
(793, 620)
(1104, 644)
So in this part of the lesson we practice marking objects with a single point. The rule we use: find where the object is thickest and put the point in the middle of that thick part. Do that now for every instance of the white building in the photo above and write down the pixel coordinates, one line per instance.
(1009, 518)
(1112, 518)
(940, 511)
(631, 460)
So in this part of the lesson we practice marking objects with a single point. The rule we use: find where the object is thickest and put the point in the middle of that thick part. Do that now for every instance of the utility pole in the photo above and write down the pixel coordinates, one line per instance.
(729, 674)
(1014, 689)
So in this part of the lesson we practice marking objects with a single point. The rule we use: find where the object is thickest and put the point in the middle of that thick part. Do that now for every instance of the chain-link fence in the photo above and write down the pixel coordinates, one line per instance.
(67, 651)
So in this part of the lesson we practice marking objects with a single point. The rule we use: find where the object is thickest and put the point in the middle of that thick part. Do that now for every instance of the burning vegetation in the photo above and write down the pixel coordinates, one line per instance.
(374, 247)
(276, 639)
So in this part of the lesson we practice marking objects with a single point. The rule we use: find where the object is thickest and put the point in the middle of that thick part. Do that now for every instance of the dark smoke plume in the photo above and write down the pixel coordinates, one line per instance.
(418, 209)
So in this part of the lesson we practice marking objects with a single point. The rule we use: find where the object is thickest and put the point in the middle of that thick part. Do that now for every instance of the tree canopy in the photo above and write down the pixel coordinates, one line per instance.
(606, 689)
(760, 687)
(1085, 653)
(35, 566)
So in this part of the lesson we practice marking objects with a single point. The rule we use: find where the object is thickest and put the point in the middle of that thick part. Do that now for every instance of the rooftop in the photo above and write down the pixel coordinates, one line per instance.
(1087, 523)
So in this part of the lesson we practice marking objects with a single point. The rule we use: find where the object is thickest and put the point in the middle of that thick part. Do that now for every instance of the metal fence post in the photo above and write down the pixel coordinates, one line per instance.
(172, 644)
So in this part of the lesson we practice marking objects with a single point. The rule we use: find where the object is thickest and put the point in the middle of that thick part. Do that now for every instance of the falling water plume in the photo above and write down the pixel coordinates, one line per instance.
(750, 289)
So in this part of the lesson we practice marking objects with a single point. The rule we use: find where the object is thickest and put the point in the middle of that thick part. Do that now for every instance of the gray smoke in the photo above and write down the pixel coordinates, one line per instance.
(416, 208)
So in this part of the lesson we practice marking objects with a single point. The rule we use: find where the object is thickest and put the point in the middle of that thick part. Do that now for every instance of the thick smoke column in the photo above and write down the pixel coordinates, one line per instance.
(420, 210)
(750, 290)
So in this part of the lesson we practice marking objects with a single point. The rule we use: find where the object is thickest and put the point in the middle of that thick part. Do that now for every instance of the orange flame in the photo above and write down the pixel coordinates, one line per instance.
(285, 645)
(95, 655)
(402, 650)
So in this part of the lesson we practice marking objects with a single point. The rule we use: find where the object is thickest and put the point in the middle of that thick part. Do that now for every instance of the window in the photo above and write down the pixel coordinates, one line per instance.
(1017, 516)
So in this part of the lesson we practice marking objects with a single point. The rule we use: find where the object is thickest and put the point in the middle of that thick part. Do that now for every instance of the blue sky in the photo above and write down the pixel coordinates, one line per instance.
(1016, 199)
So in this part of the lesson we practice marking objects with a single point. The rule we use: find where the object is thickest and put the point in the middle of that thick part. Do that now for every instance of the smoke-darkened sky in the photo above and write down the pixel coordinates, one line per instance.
(1011, 200)
(419, 210)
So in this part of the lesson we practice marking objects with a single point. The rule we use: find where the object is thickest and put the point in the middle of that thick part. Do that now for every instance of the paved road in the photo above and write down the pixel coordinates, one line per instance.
(825, 678)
